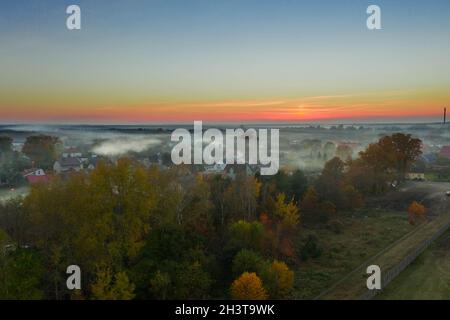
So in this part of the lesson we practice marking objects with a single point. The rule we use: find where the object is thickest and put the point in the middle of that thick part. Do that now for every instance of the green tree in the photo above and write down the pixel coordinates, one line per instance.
(173, 262)
(12, 165)
(197, 214)
(109, 287)
(246, 235)
(246, 261)
(192, 281)
(160, 285)
(14, 220)
(278, 280)
(100, 218)
(330, 183)
(298, 185)
(241, 197)
(21, 275)
(311, 248)
(310, 206)
(218, 187)
(5, 144)
(42, 150)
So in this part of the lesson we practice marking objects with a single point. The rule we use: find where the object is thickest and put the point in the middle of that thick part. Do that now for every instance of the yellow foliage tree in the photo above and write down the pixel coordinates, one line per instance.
(286, 212)
(288, 218)
(281, 280)
(248, 287)
(107, 288)
(98, 218)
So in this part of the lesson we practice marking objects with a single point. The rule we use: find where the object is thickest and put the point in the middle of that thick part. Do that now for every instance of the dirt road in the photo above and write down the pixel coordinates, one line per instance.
(434, 195)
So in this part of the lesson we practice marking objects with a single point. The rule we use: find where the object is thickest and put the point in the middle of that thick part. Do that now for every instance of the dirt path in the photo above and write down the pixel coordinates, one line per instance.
(431, 194)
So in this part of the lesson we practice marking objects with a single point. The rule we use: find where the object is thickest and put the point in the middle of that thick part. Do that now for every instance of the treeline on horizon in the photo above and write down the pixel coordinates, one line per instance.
(140, 233)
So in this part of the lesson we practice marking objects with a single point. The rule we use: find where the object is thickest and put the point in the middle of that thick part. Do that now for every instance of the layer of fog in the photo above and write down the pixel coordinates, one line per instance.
(118, 141)
(125, 144)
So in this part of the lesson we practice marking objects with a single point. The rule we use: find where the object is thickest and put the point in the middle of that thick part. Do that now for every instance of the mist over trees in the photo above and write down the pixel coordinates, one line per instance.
(147, 233)
(43, 150)
(12, 163)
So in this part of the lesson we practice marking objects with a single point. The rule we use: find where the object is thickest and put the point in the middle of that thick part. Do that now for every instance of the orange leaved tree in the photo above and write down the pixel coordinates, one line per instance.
(416, 212)
(248, 287)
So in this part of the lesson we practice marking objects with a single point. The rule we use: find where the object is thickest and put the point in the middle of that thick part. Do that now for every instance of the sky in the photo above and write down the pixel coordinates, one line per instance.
(223, 61)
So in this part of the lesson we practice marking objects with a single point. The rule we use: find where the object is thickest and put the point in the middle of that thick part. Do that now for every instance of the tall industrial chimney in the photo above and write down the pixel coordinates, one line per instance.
(445, 115)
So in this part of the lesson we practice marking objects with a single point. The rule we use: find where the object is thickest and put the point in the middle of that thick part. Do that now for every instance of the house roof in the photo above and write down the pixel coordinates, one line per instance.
(36, 179)
(215, 167)
(29, 171)
(240, 168)
(429, 157)
(72, 150)
(445, 151)
(69, 162)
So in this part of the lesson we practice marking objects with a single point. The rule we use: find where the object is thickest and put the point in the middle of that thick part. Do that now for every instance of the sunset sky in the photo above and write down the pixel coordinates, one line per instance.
(223, 60)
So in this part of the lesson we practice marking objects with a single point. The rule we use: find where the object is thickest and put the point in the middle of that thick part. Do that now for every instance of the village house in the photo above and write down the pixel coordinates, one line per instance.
(445, 152)
(415, 175)
(352, 145)
(66, 164)
(214, 168)
(35, 176)
(429, 158)
(230, 170)
(91, 163)
(17, 146)
(72, 153)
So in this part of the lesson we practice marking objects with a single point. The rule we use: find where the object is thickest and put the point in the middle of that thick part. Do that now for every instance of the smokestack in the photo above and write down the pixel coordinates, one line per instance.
(445, 115)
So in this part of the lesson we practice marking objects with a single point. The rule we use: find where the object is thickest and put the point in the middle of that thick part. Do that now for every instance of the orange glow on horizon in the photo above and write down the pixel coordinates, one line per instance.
(320, 108)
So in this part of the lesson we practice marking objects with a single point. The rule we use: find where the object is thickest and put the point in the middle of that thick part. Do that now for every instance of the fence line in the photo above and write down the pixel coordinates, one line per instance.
(392, 273)
(367, 262)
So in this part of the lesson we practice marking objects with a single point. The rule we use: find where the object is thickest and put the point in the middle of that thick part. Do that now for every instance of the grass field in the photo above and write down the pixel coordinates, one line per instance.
(364, 234)
(436, 178)
(427, 278)
(6, 194)
(355, 285)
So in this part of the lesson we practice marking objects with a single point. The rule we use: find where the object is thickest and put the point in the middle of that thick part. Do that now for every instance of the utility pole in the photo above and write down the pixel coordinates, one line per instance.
(445, 115)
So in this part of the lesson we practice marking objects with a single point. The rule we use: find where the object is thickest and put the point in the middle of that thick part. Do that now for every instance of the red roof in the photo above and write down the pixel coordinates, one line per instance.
(445, 151)
(36, 179)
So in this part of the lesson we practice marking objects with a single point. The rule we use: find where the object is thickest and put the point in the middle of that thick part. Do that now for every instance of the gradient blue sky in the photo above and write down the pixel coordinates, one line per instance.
(181, 57)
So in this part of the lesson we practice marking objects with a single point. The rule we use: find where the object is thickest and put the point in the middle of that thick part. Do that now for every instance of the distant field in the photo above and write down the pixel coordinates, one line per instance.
(427, 278)
(6, 194)
(435, 178)
(363, 235)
